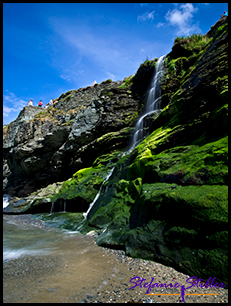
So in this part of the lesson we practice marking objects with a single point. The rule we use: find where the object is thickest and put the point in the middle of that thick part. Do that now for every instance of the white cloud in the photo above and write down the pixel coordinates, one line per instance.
(87, 53)
(12, 104)
(65, 77)
(97, 53)
(182, 19)
(87, 44)
(146, 16)
(160, 24)
(6, 111)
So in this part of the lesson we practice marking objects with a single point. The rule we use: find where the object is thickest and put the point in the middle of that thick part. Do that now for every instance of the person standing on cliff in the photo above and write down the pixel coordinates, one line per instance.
(225, 14)
(40, 103)
(51, 102)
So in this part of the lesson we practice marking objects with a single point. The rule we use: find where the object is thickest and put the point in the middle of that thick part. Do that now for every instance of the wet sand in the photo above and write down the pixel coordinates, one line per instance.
(80, 271)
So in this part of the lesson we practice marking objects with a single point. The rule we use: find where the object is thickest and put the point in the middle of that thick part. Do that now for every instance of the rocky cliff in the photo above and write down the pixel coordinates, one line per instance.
(167, 199)
(46, 145)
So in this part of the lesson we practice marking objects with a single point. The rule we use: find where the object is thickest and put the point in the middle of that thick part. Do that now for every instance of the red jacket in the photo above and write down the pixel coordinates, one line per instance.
(40, 103)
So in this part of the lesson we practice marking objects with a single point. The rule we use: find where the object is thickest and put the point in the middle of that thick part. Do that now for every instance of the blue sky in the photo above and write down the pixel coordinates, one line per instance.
(51, 48)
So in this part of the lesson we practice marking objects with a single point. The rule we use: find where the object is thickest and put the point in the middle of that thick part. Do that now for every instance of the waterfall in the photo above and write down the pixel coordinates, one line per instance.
(98, 194)
(153, 103)
(52, 207)
(6, 198)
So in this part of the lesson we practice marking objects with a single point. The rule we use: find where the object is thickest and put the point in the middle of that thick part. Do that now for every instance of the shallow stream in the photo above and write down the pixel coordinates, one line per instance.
(47, 264)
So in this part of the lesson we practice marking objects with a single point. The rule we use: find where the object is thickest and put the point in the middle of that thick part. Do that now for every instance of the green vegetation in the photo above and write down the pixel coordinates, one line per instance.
(221, 30)
(149, 63)
(193, 40)
(131, 118)
(50, 114)
(107, 81)
(127, 82)
(196, 165)
(85, 183)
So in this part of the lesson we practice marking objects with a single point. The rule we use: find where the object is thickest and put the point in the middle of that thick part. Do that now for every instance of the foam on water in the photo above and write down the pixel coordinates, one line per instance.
(6, 198)
(10, 254)
(20, 239)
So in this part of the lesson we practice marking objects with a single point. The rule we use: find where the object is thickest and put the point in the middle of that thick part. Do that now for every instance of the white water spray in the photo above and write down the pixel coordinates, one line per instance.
(6, 198)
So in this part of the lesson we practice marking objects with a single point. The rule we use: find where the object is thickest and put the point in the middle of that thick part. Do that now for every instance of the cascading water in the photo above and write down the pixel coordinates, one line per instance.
(6, 198)
(60, 210)
(153, 103)
(64, 206)
(98, 194)
(52, 207)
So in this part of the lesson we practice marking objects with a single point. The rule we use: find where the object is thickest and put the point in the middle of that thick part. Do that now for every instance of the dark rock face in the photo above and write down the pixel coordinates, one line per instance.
(46, 145)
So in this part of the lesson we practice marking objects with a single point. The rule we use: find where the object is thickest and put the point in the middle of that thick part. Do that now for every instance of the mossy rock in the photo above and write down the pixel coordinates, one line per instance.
(178, 226)
(63, 220)
(184, 165)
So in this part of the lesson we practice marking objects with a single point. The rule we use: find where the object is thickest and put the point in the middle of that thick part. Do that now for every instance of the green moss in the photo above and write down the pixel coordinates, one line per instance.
(221, 29)
(68, 97)
(104, 159)
(69, 221)
(68, 123)
(80, 174)
(130, 119)
(128, 82)
(179, 226)
(197, 165)
(41, 115)
(84, 184)
(193, 42)
(158, 137)
(107, 81)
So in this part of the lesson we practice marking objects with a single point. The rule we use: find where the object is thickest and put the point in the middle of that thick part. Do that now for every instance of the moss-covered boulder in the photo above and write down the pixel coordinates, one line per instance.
(184, 227)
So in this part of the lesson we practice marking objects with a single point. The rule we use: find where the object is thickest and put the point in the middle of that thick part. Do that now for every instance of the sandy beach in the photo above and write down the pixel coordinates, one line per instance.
(80, 271)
